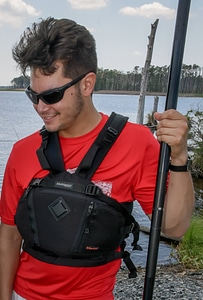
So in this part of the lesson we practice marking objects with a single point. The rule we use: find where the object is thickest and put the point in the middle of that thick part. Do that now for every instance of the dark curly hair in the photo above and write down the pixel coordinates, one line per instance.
(50, 40)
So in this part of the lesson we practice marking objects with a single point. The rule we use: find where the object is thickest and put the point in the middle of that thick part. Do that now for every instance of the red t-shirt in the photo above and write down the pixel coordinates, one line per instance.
(127, 173)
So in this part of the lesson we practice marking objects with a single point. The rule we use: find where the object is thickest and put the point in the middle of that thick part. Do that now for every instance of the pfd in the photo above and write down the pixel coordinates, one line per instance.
(65, 219)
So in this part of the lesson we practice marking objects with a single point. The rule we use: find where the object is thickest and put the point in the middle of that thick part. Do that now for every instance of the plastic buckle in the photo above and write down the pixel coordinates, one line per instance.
(92, 190)
(43, 130)
(36, 181)
(111, 133)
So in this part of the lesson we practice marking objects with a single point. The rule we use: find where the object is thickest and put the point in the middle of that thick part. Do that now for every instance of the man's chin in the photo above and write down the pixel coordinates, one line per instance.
(51, 128)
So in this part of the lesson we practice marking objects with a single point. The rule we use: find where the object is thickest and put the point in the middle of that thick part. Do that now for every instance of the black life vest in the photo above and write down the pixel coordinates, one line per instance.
(65, 219)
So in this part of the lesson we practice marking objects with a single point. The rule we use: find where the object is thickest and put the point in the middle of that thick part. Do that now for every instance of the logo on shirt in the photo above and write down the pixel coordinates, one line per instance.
(105, 186)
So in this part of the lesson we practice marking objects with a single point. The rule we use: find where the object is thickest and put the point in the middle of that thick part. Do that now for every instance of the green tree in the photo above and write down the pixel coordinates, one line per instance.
(195, 118)
(20, 82)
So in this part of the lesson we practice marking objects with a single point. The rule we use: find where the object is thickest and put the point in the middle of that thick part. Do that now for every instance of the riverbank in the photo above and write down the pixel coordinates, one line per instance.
(110, 92)
(171, 282)
(113, 92)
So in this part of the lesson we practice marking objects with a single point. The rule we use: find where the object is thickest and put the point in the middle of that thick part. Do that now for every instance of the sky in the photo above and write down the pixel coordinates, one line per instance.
(120, 28)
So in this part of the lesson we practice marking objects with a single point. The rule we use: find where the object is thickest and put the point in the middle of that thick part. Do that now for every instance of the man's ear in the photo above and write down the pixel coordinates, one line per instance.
(88, 83)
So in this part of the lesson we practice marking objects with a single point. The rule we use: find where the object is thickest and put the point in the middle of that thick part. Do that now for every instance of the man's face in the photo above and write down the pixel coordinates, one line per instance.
(63, 116)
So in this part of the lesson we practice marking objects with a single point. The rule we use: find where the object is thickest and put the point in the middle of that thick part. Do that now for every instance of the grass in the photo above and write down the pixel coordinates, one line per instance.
(190, 249)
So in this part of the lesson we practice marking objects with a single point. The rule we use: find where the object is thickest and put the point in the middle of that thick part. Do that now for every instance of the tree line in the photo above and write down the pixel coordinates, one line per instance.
(191, 81)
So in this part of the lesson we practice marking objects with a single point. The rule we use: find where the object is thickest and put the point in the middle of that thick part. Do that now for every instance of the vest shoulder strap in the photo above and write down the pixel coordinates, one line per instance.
(49, 153)
(50, 156)
(101, 145)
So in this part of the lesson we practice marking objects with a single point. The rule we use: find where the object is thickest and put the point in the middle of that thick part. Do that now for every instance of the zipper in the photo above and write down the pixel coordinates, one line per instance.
(90, 209)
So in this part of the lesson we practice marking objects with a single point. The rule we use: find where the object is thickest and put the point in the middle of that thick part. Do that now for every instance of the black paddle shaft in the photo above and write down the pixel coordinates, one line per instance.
(171, 103)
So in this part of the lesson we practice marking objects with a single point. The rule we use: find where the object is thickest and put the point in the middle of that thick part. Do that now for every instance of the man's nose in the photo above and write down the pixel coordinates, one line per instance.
(41, 106)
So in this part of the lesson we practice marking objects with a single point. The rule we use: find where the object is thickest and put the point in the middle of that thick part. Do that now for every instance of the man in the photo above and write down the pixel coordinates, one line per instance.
(62, 59)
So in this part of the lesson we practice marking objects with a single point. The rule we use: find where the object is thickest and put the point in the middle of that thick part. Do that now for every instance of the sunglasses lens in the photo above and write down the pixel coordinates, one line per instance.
(32, 96)
(52, 97)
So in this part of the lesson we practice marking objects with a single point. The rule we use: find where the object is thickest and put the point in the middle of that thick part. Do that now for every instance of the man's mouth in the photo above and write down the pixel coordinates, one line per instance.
(48, 117)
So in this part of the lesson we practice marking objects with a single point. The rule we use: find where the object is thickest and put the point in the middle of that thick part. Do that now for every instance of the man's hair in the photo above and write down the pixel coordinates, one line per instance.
(50, 40)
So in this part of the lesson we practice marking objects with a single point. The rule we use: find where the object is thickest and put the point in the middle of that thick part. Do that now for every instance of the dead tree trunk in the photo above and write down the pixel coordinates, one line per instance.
(143, 88)
(156, 102)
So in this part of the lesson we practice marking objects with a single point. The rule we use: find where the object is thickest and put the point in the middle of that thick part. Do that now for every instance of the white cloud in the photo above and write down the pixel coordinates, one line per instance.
(152, 10)
(13, 12)
(137, 53)
(88, 4)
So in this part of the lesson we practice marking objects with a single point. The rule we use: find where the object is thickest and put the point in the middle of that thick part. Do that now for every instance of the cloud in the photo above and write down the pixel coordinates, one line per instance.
(152, 10)
(13, 12)
(137, 53)
(88, 4)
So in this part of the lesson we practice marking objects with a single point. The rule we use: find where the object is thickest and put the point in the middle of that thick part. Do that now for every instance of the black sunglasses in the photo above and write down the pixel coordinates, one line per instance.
(51, 96)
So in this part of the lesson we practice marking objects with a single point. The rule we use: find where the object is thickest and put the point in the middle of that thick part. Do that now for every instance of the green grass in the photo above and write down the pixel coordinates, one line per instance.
(190, 249)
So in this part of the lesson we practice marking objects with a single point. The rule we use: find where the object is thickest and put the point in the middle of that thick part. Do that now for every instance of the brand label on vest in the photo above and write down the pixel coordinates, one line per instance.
(63, 184)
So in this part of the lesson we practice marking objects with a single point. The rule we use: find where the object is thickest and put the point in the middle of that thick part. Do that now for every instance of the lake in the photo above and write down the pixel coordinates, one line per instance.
(18, 119)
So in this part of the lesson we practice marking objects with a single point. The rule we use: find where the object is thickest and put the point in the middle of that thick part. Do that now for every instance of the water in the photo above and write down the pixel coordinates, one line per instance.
(18, 119)
(128, 104)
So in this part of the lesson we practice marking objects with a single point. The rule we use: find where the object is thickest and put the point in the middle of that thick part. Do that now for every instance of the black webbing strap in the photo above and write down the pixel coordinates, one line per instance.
(50, 157)
(101, 145)
(49, 153)
(130, 265)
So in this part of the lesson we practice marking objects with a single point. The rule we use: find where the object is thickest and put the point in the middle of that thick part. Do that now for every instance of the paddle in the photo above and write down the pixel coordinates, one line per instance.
(171, 102)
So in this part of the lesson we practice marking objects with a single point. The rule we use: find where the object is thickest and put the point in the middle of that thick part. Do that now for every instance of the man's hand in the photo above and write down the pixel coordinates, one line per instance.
(172, 128)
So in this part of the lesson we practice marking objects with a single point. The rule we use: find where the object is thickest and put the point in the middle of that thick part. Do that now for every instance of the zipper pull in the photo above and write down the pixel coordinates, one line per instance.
(90, 208)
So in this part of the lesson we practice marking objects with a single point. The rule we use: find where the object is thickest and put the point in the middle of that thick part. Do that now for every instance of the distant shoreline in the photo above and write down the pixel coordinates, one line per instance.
(112, 92)
(109, 92)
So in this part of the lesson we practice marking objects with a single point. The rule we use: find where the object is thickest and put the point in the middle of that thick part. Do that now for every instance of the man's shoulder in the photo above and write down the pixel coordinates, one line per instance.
(137, 129)
(30, 141)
